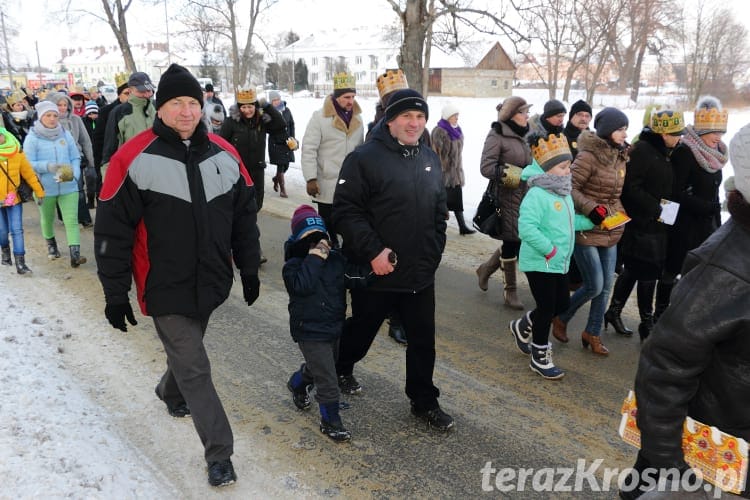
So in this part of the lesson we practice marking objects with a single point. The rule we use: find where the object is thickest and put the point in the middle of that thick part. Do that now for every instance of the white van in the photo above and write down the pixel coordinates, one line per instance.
(204, 82)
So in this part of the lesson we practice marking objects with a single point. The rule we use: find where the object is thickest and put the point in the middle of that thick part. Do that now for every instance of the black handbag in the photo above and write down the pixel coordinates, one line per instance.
(488, 219)
(23, 190)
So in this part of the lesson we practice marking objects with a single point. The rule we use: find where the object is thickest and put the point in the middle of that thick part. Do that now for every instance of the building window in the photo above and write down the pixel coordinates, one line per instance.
(357, 59)
(493, 84)
(505, 84)
(314, 61)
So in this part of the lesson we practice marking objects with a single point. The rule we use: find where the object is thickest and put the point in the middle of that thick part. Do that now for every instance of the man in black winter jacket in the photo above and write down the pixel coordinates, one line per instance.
(390, 208)
(176, 209)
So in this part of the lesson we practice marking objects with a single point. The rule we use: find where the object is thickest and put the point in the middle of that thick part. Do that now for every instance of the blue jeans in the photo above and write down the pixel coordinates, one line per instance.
(597, 266)
(11, 221)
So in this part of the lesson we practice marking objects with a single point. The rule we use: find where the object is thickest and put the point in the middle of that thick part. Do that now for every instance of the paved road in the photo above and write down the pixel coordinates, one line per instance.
(506, 416)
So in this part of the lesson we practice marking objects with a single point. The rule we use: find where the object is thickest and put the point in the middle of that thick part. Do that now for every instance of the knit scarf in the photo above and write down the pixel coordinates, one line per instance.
(561, 185)
(519, 130)
(711, 160)
(453, 132)
(343, 114)
(10, 146)
(47, 133)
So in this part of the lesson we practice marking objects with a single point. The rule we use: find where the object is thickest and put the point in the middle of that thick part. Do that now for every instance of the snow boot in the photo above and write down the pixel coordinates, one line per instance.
(645, 308)
(330, 422)
(521, 331)
(75, 256)
(52, 251)
(300, 391)
(509, 291)
(485, 270)
(6, 256)
(21, 267)
(541, 362)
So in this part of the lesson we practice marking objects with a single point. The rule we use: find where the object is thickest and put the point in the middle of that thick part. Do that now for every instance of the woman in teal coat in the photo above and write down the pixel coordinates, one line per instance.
(546, 225)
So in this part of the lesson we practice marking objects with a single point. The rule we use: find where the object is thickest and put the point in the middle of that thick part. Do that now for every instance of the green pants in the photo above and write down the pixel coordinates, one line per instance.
(69, 209)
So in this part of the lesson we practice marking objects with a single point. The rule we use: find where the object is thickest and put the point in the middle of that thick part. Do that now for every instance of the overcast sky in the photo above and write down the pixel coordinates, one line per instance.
(42, 22)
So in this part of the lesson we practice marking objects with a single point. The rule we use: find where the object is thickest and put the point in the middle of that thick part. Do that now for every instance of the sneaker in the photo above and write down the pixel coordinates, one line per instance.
(435, 418)
(221, 473)
(349, 385)
(301, 399)
(179, 411)
(335, 431)
(541, 363)
(521, 331)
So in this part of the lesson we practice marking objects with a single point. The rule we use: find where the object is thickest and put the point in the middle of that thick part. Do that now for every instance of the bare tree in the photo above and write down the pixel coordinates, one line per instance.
(114, 13)
(226, 22)
(417, 18)
(715, 52)
(642, 20)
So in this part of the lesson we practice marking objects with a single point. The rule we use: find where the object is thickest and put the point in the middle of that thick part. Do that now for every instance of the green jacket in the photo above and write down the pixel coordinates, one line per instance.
(547, 220)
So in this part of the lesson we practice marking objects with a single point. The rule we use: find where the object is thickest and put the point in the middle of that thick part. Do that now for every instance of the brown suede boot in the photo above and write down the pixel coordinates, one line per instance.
(509, 294)
(559, 330)
(484, 271)
(596, 344)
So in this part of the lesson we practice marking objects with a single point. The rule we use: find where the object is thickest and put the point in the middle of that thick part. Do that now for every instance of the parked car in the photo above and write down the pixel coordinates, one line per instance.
(109, 92)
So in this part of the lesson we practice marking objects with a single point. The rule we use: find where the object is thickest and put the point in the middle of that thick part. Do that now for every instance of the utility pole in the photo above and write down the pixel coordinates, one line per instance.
(39, 66)
(166, 24)
(7, 52)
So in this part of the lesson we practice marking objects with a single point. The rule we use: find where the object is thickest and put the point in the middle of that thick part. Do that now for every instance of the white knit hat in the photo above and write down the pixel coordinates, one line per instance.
(739, 154)
(448, 110)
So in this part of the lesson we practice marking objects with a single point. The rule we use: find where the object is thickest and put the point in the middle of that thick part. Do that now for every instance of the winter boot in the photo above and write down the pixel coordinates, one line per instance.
(509, 292)
(484, 271)
(595, 341)
(521, 331)
(620, 293)
(330, 422)
(75, 256)
(6, 257)
(463, 229)
(396, 330)
(300, 391)
(349, 385)
(21, 265)
(52, 251)
(645, 308)
(282, 185)
(663, 292)
(541, 362)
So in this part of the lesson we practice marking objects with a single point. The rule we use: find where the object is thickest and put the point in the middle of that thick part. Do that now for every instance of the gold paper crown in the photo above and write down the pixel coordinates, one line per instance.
(344, 81)
(551, 151)
(121, 79)
(246, 96)
(391, 81)
(711, 119)
(667, 122)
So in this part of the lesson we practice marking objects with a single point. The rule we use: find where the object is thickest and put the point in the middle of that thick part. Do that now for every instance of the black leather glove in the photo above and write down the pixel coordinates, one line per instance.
(117, 313)
(250, 288)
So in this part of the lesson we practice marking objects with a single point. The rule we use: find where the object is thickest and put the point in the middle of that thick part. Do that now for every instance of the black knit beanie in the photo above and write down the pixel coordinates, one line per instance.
(405, 100)
(177, 81)
(578, 106)
(553, 107)
(608, 120)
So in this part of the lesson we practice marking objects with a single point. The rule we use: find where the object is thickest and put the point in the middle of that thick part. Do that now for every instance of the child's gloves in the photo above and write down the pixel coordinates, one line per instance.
(322, 249)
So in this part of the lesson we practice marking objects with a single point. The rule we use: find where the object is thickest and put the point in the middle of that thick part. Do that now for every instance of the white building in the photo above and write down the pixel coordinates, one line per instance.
(365, 51)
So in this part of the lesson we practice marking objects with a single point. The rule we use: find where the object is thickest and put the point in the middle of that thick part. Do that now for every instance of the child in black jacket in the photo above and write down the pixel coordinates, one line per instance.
(316, 278)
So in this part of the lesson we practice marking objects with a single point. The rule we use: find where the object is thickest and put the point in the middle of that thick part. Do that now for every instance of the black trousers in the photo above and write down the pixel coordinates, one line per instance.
(188, 379)
(552, 297)
(417, 311)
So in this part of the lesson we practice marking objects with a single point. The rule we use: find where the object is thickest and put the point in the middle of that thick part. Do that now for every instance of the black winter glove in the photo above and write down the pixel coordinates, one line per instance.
(117, 313)
(250, 288)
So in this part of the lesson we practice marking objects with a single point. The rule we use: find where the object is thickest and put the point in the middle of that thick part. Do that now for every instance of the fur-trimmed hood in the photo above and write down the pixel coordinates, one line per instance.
(329, 111)
(603, 151)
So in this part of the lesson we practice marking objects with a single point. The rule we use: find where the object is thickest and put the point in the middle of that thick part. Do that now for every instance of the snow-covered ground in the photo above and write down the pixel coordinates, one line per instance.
(55, 441)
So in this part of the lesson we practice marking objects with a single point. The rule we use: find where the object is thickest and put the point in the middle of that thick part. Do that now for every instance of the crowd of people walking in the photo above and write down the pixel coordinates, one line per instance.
(586, 217)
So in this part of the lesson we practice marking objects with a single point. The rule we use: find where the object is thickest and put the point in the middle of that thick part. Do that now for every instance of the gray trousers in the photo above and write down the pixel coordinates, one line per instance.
(320, 369)
(188, 379)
